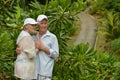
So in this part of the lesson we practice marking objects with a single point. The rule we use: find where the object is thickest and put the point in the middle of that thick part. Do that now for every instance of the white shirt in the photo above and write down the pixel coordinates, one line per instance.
(25, 62)
(45, 62)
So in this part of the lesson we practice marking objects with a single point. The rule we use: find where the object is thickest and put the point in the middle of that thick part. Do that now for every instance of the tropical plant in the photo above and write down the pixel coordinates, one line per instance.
(110, 24)
(99, 6)
(109, 21)
(83, 63)
(6, 55)
(114, 47)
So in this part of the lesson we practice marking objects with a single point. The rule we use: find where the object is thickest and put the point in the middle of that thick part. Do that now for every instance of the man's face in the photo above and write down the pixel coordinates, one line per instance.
(43, 25)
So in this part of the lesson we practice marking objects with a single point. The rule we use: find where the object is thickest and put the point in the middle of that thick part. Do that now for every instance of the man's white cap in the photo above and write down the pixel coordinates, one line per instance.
(41, 17)
(29, 21)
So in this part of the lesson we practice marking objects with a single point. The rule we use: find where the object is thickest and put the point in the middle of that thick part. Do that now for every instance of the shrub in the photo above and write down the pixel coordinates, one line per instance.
(84, 63)
(114, 46)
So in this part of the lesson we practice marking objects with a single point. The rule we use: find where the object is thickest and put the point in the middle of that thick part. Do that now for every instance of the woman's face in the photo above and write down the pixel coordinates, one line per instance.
(42, 25)
(32, 28)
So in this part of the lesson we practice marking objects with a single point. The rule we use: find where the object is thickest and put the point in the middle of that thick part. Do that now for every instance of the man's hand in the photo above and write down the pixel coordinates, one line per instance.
(18, 51)
(41, 46)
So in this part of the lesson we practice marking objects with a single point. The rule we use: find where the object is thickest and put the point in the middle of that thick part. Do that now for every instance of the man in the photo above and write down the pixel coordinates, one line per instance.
(47, 44)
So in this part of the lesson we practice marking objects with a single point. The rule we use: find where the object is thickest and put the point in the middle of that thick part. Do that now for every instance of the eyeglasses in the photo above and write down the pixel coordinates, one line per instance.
(33, 24)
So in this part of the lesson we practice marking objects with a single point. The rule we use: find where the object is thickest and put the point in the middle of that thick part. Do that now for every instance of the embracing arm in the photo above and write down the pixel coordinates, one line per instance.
(28, 46)
(40, 46)
(53, 51)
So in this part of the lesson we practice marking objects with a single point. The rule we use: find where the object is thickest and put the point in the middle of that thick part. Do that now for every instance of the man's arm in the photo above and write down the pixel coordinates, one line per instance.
(40, 46)
(53, 51)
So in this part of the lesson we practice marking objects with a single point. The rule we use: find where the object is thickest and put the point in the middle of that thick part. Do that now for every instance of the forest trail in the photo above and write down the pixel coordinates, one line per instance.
(88, 29)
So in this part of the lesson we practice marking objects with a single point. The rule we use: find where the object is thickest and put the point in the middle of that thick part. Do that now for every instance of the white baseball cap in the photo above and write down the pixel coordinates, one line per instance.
(41, 17)
(29, 21)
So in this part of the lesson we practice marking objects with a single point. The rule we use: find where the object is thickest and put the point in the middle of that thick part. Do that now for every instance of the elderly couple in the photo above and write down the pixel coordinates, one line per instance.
(36, 50)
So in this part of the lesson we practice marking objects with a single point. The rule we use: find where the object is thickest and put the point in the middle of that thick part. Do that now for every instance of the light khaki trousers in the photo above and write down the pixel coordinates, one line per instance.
(40, 77)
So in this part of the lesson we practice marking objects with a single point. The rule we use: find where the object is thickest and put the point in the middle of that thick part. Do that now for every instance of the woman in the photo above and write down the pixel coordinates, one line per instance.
(25, 62)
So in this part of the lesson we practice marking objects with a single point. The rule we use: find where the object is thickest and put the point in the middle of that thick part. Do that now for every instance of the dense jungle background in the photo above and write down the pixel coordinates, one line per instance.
(76, 62)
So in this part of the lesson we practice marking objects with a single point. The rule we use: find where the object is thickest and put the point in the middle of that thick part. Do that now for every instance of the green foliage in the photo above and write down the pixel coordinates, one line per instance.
(110, 25)
(75, 62)
(109, 21)
(100, 5)
(114, 46)
(6, 54)
(83, 63)
(117, 73)
(36, 9)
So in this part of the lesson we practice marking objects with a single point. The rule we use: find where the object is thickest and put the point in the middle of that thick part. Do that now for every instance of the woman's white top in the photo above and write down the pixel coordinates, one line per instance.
(25, 62)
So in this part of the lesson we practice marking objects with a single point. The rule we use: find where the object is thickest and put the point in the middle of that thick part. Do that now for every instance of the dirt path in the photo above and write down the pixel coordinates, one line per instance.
(88, 30)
